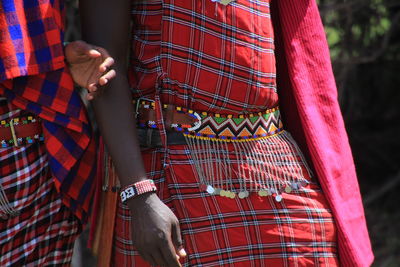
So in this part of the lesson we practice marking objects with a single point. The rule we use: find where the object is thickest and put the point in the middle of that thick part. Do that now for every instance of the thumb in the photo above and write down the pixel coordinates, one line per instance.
(177, 240)
(81, 48)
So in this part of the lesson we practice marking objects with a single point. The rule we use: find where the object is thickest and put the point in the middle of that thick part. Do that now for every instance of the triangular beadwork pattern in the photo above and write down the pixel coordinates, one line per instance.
(225, 127)
(239, 128)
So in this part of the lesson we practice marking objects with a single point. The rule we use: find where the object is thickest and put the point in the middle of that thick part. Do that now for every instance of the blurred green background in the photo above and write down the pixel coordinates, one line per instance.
(364, 38)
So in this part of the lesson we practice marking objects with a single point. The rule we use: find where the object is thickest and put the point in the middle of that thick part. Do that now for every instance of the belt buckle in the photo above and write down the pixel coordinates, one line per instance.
(193, 114)
(138, 104)
(149, 132)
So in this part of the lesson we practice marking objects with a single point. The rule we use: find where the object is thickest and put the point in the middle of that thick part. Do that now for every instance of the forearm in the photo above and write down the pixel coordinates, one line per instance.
(106, 23)
(115, 116)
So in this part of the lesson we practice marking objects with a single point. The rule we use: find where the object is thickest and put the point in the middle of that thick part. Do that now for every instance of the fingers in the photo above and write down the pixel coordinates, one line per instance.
(93, 53)
(90, 96)
(107, 63)
(148, 258)
(169, 256)
(104, 53)
(106, 77)
(92, 91)
(171, 248)
(92, 87)
(177, 240)
(160, 253)
(158, 256)
(82, 48)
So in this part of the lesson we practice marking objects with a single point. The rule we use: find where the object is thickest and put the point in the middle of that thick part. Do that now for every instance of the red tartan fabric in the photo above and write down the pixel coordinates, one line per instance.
(181, 64)
(205, 56)
(210, 57)
(217, 231)
(44, 232)
(33, 78)
(30, 34)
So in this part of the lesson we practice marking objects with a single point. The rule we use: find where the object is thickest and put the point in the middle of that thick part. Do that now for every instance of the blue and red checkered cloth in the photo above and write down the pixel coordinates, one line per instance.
(34, 78)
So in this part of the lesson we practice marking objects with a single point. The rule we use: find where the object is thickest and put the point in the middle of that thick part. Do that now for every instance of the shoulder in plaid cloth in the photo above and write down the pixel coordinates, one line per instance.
(31, 54)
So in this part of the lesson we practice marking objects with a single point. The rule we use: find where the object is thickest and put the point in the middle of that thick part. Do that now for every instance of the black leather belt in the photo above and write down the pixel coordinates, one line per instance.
(150, 138)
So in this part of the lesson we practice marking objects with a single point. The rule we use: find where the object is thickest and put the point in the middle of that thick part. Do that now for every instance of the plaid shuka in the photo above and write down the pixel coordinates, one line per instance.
(217, 231)
(34, 78)
(206, 56)
(44, 232)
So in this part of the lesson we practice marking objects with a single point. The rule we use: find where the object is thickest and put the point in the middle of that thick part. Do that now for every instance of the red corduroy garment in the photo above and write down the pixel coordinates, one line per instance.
(312, 114)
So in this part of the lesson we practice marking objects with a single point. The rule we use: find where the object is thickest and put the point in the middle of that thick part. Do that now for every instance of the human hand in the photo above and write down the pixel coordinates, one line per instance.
(88, 65)
(156, 232)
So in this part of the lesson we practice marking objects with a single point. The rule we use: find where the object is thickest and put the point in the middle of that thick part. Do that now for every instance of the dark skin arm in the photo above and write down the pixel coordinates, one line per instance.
(156, 234)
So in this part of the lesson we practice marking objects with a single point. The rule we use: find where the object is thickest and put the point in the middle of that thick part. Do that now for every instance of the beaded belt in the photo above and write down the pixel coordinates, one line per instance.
(20, 131)
(206, 125)
(234, 155)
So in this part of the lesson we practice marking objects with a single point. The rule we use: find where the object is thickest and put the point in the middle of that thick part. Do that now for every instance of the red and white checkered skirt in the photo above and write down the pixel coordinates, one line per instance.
(43, 233)
(219, 231)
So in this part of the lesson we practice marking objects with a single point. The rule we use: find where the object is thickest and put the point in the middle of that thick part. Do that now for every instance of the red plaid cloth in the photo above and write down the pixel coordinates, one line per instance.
(31, 44)
(205, 56)
(217, 231)
(44, 232)
(30, 34)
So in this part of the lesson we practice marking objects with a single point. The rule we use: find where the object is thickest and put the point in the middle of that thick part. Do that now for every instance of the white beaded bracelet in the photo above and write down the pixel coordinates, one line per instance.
(136, 189)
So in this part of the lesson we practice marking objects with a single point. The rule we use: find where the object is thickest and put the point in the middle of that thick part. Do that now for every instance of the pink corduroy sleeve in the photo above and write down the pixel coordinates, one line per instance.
(308, 97)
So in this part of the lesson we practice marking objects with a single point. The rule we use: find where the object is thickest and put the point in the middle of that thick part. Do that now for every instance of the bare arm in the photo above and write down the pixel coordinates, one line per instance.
(156, 234)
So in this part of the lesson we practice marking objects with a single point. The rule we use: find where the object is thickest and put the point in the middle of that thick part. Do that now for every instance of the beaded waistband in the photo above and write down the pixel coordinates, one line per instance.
(20, 131)
(230, 128)
(235, 155)
(237, 128)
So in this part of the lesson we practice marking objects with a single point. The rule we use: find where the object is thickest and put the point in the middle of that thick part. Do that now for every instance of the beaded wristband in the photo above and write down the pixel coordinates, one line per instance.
(136, 189)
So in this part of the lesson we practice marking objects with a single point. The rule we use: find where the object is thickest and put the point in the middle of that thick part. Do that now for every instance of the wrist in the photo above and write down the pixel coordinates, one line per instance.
(137, 189)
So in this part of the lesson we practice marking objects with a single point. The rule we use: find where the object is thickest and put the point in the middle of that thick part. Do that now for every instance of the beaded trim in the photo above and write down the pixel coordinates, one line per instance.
(224, 2)
(21, 140)
(136, 189)
(276, 193)
(262, 158)
(23, 120)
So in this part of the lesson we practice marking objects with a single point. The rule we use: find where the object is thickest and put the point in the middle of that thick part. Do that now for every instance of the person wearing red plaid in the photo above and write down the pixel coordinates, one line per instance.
(226, 184)
(46, 146)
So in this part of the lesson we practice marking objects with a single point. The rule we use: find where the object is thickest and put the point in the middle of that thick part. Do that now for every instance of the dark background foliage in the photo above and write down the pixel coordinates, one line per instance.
(364, 38)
